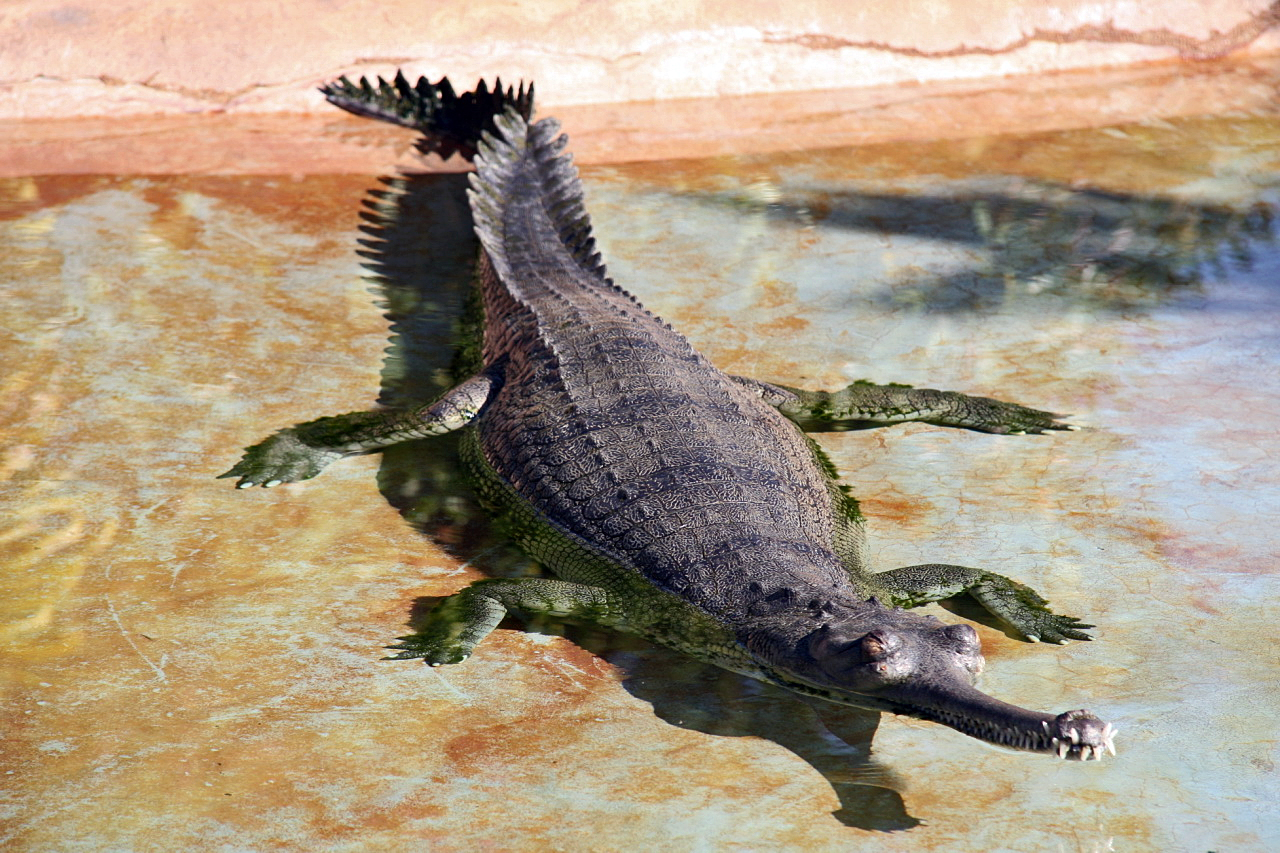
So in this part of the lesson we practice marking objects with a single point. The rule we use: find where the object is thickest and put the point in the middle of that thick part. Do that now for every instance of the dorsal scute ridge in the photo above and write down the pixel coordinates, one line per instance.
(535, 153)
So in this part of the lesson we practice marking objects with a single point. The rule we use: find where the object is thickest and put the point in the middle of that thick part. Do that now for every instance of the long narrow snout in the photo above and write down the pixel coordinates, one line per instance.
(1074, 734)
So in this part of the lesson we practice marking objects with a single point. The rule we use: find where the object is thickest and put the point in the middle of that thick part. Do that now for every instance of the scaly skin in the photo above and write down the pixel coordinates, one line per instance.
(671, 499)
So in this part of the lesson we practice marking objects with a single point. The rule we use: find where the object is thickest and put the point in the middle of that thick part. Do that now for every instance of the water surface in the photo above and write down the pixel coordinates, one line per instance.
(191, 667)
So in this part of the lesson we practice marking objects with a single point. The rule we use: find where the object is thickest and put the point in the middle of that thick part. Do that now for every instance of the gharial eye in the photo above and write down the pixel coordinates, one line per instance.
(879, 644)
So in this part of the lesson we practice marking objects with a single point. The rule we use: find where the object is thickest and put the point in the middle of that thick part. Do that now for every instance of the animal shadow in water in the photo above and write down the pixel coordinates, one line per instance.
(420, 252)
(833, 739)
(1106, 250)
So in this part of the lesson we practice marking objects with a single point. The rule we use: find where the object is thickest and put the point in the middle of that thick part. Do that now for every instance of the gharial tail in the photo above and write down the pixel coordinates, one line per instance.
(450, 123)
(521, 167)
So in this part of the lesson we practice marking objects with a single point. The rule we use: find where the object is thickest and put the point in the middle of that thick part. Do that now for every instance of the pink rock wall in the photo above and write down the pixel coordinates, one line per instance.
(161, 56)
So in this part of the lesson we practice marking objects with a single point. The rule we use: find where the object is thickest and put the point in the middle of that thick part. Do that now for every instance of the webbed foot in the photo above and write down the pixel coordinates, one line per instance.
(1026, 611)
(453, 629)
(433, 649)
(996, 416)
(281, 458)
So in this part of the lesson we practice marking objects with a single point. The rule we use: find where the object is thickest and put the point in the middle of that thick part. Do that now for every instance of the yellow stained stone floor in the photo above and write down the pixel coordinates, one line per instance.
(189, 667)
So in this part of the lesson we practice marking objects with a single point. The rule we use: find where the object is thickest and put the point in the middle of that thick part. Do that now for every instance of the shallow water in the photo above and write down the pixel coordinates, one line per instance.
(192, 667)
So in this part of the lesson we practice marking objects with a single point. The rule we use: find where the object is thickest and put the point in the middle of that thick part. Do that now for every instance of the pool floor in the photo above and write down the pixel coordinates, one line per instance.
(188, 666)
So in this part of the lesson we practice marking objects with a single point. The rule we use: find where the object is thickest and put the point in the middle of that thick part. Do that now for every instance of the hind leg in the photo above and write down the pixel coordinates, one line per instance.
(302, 452)
(862, 405)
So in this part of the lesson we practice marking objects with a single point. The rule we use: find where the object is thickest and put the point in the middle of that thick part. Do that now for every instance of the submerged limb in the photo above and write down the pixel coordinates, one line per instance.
(303, 451)
(462, 620)
(865, 404)
(1017, 605)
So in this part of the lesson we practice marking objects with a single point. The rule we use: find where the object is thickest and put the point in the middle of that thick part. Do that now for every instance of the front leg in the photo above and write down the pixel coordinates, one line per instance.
(458, 623)
(864, 404)
(1017, 605)
(303, 451)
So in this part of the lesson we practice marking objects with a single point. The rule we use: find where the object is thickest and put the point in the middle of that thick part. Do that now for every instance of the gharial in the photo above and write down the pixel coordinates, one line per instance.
(669, 498)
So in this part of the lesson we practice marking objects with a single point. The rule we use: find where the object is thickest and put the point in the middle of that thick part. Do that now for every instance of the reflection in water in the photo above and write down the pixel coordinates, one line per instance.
(1104, 249)
(421, 252)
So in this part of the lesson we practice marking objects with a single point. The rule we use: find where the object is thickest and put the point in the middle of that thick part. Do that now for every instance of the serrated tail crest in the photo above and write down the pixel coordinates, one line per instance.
(450, 123)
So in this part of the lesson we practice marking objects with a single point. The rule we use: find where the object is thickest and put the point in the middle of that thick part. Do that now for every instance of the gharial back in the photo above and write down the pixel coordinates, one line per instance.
(611, 424)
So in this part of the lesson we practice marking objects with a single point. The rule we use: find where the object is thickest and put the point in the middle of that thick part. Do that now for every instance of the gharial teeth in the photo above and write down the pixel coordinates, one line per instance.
(1084, 751)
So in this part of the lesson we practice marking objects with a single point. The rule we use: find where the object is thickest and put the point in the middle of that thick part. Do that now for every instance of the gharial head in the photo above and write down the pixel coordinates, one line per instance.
(885, 659)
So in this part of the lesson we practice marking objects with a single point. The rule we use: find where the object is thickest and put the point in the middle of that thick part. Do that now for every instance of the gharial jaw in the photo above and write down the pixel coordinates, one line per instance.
(1076, 734)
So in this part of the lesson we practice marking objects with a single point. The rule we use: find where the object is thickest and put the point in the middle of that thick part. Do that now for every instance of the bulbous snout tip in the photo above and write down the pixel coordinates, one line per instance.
(1080, 735)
